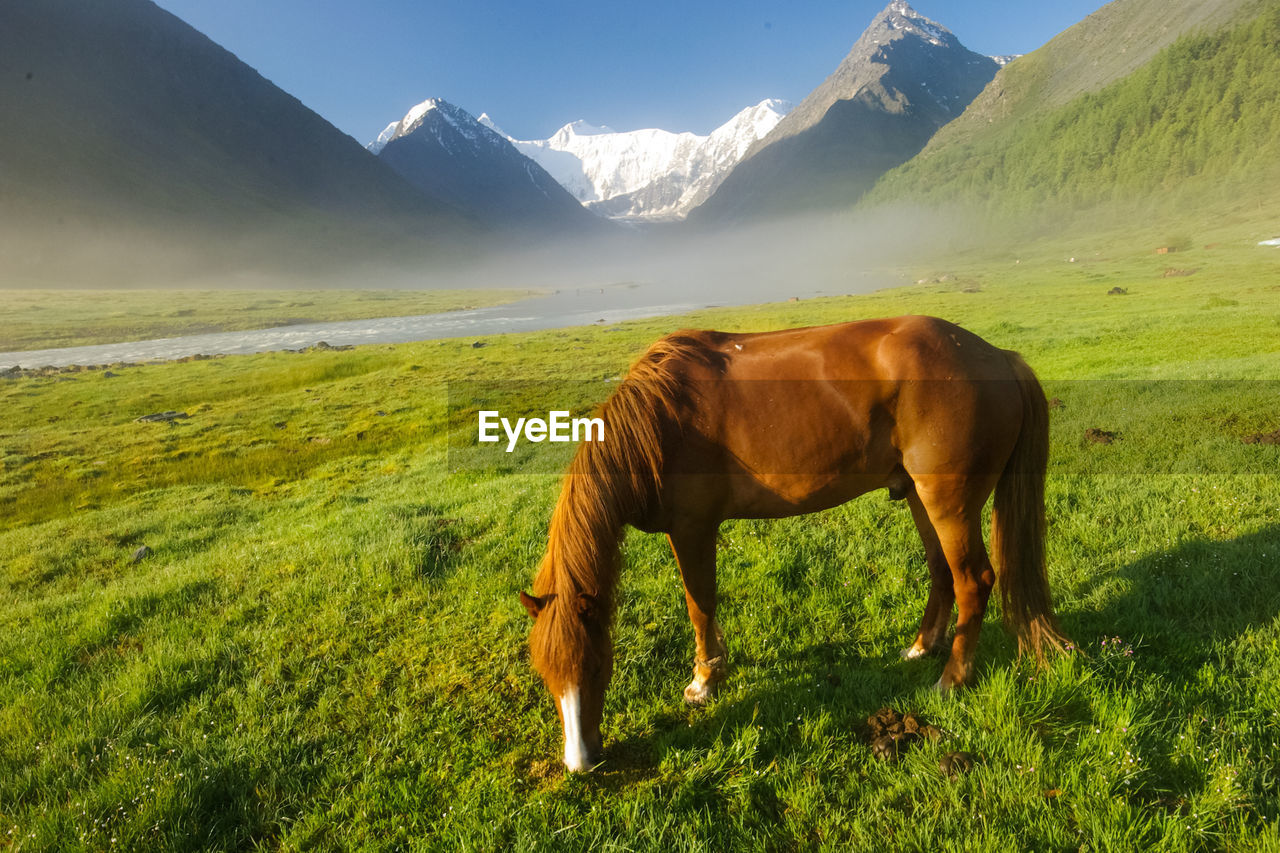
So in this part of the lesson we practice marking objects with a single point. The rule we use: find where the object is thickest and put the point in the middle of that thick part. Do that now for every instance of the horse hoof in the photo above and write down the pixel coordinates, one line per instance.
(698, 694)
(944, 687)
(913, 653)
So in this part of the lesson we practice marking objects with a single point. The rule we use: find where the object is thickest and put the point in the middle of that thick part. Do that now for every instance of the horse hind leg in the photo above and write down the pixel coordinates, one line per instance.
(937, 611)
(955, 509)
(695, 552)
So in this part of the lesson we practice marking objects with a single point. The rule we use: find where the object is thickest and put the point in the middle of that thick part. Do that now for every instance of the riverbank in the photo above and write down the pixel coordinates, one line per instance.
(51, 319)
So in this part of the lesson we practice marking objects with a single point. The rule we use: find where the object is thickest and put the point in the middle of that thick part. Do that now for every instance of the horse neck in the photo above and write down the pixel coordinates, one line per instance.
(583, 543)
(610, 483)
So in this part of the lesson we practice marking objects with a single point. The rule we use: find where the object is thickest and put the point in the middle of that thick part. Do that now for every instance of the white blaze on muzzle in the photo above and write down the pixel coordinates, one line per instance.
(575, 749)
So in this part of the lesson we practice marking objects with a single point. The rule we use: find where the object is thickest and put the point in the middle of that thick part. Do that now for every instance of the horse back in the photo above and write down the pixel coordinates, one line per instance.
(778, 423)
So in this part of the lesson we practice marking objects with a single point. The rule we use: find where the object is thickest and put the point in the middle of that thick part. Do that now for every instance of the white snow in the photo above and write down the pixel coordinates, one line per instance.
(388, 133)
(416, 113)
(663, 174)
(404, 125)
(488, 122)
(581, 128)
(597, 163)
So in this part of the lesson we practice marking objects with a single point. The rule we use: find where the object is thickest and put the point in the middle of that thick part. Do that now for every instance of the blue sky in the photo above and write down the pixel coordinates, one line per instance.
(534, 66)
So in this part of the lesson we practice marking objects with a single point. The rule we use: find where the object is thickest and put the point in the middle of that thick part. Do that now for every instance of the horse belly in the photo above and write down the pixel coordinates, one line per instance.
(801, 447)
(780, 496)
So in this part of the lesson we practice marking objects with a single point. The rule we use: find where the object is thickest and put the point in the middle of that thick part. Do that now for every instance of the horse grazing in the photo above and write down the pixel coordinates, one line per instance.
(708, 426)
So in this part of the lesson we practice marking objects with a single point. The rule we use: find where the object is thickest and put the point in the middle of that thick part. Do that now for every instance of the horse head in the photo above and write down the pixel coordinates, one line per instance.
(571, 649)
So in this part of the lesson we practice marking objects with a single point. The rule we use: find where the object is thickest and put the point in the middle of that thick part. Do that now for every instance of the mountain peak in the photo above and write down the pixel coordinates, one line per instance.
(417, 115)
(776, 105)
(913, 51)
(450, 113)
(904, 77)
(416, 112)
(449, 154)
(899, 15)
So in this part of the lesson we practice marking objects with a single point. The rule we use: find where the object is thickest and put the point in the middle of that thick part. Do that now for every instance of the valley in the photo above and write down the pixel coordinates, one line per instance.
(271, 599)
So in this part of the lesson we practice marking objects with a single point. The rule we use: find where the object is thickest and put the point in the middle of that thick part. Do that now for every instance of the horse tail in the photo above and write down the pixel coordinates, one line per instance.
(1018, 525)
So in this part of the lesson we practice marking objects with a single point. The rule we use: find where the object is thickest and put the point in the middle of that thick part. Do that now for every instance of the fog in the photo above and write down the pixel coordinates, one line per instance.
(619, 273)
(824, 251)
(818, 254)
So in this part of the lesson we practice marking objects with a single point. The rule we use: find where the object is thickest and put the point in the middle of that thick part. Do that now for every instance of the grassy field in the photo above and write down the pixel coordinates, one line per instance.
(44, 319)
(324, 650)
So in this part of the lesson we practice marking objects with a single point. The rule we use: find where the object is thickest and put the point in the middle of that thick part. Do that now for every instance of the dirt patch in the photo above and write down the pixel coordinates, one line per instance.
(1101, 436)
(1176, 273)
(1117, 291)
(162, 417)
(1263, 438)
(1056, 403)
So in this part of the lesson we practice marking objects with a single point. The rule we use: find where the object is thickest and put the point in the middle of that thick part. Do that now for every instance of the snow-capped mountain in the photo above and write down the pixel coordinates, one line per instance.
(646, 174)
(443, 150)
(905, 77)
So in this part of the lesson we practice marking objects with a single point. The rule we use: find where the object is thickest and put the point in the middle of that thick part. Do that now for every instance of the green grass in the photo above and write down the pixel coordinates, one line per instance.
(46, 319)
(325, 649)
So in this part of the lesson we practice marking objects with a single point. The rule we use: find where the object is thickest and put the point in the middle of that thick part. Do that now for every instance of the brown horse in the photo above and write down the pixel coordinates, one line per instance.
(709, 426)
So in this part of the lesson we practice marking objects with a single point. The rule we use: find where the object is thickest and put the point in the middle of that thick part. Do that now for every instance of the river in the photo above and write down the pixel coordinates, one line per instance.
(568, 307)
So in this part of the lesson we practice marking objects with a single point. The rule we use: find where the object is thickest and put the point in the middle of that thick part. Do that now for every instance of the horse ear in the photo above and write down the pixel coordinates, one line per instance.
(534, 604)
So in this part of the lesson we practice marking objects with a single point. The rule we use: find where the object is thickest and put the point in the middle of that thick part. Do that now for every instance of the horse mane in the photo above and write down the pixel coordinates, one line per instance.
(609, 483)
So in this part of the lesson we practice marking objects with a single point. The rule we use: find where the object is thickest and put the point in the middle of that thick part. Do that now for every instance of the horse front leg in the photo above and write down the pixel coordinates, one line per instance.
(695, 551)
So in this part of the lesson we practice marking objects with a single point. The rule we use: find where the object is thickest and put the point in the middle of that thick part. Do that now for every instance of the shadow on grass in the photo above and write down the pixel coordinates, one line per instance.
(1180, 603)
(117, 634)
(1179, 607)
(827, 677)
